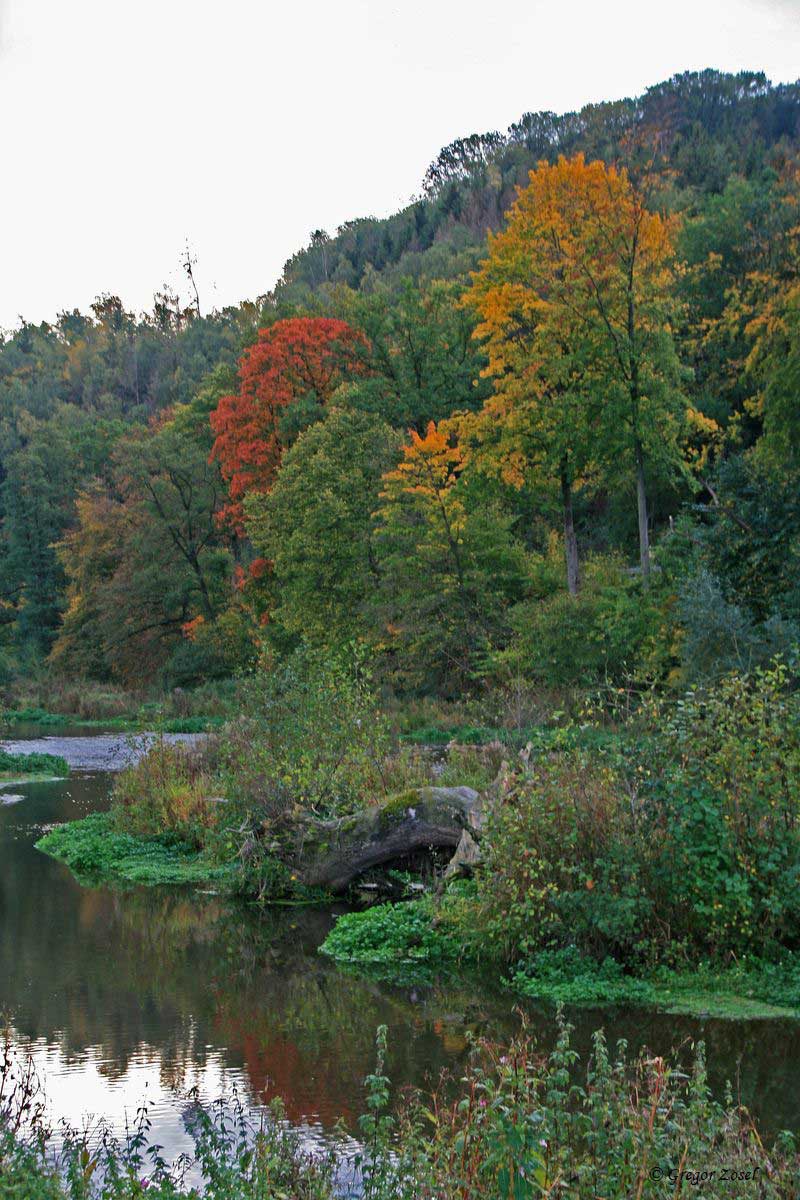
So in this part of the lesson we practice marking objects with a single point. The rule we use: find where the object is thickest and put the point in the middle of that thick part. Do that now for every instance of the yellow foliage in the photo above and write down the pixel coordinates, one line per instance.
(574, 306)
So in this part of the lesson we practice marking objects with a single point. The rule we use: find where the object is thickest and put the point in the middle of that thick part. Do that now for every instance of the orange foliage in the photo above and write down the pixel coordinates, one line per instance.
(190, 628)
(430, 464)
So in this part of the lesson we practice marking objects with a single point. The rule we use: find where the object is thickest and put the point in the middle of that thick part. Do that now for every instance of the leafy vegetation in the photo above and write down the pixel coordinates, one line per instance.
(513, 471)
(14, 766)
(522, 1124)
(95, 850)
(399, 443)
(605, 864)
(398, 941)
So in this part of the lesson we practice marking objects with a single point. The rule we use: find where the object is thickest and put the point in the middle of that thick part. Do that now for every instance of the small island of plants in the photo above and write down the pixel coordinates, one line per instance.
(29, 768)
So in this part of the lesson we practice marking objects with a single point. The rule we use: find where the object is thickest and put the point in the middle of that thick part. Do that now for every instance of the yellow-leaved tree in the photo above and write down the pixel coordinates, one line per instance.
(575, 303)
(449, 566)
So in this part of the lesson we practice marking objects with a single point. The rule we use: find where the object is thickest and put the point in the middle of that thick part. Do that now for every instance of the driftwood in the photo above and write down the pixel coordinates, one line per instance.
(334, 853)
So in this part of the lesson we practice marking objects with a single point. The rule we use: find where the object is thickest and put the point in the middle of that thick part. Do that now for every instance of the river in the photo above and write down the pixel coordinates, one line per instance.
(134, 996)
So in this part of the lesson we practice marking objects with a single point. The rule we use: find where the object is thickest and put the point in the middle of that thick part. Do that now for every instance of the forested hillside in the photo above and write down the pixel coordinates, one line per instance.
(561, 458)
(457, 578)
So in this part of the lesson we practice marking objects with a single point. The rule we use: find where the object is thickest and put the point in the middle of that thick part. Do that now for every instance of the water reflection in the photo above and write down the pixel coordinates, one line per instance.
(142, 994)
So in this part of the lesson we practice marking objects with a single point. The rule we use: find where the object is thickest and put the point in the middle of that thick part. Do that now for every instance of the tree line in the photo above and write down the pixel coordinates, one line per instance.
(561, 449)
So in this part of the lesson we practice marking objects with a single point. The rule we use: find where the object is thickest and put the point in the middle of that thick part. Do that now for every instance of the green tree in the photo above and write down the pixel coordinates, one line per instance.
(450, 566)
(423, 363)
(739, 255)
(147, 556)
(774, 366)
(315, 525)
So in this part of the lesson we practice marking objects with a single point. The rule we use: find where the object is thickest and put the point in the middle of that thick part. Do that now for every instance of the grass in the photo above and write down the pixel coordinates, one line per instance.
(127, 724)
(28, 768)
(541, 737)
(96, 853)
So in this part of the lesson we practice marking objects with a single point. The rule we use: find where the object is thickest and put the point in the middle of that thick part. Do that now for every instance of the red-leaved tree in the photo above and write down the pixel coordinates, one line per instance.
(301, 360)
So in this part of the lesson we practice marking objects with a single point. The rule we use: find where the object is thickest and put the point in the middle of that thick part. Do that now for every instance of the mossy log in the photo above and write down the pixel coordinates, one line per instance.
(332, 854)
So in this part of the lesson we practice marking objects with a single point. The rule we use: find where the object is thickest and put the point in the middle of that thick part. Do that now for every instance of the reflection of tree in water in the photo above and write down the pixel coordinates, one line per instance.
(170, 974)
(306, 1030)
(112, 971)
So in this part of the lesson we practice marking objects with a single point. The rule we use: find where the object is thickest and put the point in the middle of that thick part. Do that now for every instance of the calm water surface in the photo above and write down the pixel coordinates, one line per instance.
(132, 996)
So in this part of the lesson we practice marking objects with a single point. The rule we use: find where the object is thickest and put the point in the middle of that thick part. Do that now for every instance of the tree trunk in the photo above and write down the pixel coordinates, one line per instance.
(641, 499)
(330, 854)
(570, 541)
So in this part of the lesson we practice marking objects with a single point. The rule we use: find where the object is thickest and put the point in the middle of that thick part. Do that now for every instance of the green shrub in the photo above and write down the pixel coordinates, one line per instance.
(32, 764)
(728, 808)
(612, 631)
(399, 940)
(754, 555)
(567, 976)
(310, 737)
(170, 789)
(719, 636)
(653, 848)
(563, 857)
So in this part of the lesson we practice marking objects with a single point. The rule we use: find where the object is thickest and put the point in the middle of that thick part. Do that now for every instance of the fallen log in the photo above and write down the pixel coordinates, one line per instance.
(332, 854)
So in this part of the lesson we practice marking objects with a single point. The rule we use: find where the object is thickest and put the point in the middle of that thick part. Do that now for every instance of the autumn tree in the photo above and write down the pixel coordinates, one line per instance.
(540, 419)
(44, 464)
(147, 555)
(740, 260)
(449, 565)
(774, 363)
(285, 379)
(769, 304)
(575, 296)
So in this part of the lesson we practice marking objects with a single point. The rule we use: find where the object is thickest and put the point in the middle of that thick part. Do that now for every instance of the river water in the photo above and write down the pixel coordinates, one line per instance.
(125, 997)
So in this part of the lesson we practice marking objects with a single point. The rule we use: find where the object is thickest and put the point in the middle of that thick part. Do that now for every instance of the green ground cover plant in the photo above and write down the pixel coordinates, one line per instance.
(656, 865)
(397, 941)
(96, 852)
(413, 942)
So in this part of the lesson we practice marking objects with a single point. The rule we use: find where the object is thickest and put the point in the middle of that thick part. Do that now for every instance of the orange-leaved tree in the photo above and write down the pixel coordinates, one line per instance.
(285, 378)
(575, 301)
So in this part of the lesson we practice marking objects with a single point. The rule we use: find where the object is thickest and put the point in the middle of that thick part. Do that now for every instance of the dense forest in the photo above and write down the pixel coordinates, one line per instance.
(404, 440)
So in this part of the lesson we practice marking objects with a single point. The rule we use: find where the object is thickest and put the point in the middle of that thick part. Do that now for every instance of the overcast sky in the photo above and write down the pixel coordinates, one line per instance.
(129, 128)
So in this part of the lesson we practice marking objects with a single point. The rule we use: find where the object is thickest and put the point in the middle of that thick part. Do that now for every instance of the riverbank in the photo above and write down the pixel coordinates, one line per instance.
(413, 942)
(53, 702)
(417, 940)
(654, 864)
(42, 719)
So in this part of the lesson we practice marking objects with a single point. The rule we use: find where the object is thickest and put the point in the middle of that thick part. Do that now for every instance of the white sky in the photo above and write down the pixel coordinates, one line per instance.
(130, 127)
